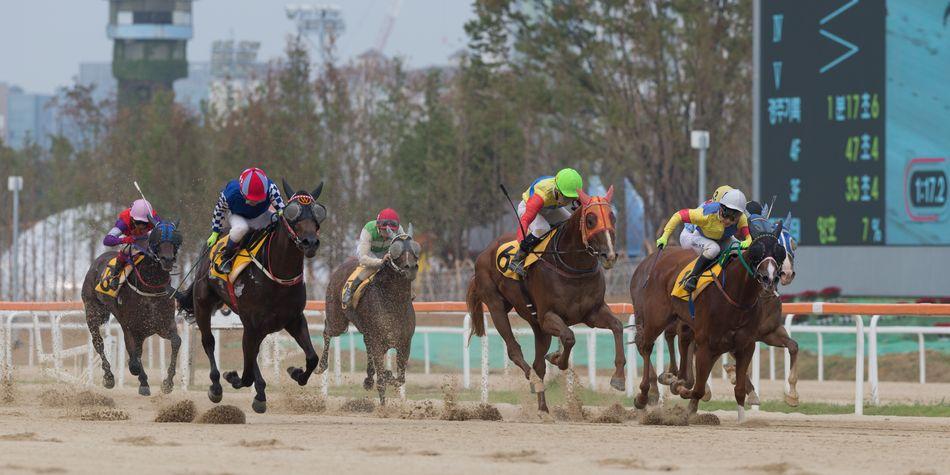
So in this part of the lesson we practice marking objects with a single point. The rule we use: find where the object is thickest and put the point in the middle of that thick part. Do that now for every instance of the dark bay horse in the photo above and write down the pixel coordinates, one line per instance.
(565, 287)
(384, 316)
(141, 306)
(726, 318)
(271, 295)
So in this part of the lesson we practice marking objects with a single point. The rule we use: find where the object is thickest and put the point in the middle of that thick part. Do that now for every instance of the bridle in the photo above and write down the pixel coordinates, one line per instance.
(302, 199)
(600, 207)
(168, 234)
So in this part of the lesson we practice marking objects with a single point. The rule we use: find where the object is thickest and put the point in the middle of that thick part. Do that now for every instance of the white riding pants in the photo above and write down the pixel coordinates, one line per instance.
(708, 248)
(545, 219)
(241, 225)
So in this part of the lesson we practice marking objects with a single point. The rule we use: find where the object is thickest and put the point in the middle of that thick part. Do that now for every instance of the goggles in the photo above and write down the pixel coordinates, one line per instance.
(388, 224)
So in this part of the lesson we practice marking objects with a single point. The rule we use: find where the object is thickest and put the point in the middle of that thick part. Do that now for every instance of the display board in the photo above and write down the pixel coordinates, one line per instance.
(854, 119)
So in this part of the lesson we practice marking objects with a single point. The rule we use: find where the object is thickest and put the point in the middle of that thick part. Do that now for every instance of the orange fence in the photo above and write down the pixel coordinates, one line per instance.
(828, 308)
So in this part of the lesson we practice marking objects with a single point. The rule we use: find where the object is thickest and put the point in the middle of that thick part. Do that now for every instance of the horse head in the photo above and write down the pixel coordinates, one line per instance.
(302, 218)
(787, 273)
(766, 256)
(163, 244)
(404, 255)
(597, 221)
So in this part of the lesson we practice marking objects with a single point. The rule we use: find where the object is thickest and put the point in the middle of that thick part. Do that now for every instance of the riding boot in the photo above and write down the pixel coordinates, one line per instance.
(227, 257)
(516, 264)
(115, 273)
(690, 281)
(350, 291)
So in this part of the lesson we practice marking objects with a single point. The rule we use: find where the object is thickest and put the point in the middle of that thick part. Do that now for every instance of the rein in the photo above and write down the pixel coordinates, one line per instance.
(748, 269)
(267, 271)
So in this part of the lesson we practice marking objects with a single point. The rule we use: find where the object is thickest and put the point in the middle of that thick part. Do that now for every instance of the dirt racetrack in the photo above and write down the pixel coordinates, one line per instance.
(40, 436)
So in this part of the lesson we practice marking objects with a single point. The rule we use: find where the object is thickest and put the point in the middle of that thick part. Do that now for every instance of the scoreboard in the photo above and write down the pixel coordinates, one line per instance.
(854, 119)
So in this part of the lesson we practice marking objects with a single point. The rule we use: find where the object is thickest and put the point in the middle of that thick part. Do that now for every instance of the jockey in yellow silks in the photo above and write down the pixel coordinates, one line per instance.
(708, 229)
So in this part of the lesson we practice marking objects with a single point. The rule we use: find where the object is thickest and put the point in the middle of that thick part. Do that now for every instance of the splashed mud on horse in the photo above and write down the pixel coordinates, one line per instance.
(141, 305)
(384, 315)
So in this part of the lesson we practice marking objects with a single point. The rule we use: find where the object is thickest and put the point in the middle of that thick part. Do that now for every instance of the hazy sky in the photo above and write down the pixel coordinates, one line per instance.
(42, 42)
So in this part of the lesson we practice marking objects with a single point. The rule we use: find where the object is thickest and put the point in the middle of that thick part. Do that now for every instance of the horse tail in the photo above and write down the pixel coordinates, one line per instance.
(475, 309)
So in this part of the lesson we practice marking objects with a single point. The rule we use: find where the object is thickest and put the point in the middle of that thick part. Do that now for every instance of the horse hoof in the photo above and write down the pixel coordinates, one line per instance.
(167, 387)
(553, 357)
(708, 395)
(108, 381)
(135, 370)
(752, 399)
(144, 391)
(791, 400)
(676, 385)
(368, 384)
(684, 393)
(233, 379)
(295, 374)
(640, 402)
(259, 407)
(618, 383)
(666, 379)
(215, 397)
(653, 397)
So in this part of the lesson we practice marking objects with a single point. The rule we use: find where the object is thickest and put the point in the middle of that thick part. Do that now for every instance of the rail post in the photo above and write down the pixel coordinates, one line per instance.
(788, 356)
(756, 372)
(592, 359)
(485, 361)
(337, 362)
(872, 359)
(631, 356)
(821, 358)
(859, 366)
(425, 351)
(352, 339)
(922, 358)
(466, 356)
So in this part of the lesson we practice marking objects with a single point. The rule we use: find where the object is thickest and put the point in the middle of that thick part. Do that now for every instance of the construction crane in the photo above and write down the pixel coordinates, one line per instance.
(322, 21)
(383, 36)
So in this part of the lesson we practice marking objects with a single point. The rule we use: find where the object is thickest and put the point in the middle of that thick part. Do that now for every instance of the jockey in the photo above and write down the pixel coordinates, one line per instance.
(133, 224)
(247, 201)
(708, 229)
(544, 204)
(373, 248)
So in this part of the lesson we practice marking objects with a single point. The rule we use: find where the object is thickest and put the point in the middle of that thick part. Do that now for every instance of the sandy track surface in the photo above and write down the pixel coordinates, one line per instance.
(35, 438)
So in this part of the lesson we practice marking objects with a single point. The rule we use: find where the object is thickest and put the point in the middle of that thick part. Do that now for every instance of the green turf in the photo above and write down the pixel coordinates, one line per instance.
(817, 408)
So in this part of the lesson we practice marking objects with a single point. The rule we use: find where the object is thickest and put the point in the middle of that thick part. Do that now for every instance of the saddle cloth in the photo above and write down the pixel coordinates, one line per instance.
(241, 260)
(507, 251)
(359, 290)
(705, 279)
(102, 286)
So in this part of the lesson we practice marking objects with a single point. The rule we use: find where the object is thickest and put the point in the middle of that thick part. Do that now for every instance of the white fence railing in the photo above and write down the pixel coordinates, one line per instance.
(58, 360)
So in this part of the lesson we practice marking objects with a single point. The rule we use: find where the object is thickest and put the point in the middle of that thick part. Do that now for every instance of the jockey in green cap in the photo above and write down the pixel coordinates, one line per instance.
(544, 204)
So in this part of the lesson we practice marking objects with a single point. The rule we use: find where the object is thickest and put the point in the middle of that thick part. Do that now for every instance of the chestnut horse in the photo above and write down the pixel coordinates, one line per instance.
(564, 288)
(726, 318)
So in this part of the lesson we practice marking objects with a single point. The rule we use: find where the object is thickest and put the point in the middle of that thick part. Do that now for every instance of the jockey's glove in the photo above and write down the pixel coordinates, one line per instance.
(745, 244)
(128, 240)
(276, 216)
(213, 239)
(661, 242)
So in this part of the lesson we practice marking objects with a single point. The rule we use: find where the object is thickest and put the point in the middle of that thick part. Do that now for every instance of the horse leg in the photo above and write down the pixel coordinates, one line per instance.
(376, 356)
(779, 338)
(645, 336)
(402, 361)
(499, 317)
(704, 361)
(604, 318)
(542, 342)
(298, 329)
(669, 376)
(552, 324)
(171, 334)
(250, 345)
(370, 372)
(135, 364)
(684, 371)
(259, 404)
(94, 321)
(743, 383)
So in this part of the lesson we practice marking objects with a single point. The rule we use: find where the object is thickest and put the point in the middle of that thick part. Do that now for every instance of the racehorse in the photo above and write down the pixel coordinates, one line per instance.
(384, 315)
(141, 305)
(723, 320)
(564, 288)
(269, 296)
(771, 331)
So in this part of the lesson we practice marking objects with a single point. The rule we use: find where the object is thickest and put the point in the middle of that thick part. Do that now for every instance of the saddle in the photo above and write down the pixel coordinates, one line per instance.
(705, 278)
(360, 290)
(250, 248)
(103, 286)
(507, 251)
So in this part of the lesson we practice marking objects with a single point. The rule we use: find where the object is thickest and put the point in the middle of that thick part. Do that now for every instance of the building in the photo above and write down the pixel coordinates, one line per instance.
(150, 45)
(4, 91)
(28, 118)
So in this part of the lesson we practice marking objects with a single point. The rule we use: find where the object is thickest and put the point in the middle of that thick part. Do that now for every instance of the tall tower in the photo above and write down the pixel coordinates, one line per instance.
(149, 50)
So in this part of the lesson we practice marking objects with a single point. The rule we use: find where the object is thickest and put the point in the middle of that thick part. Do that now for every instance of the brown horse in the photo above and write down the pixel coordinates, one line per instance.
(269, 296)
(141, 306)
(565, 287)
(384, 316)
(725, 320)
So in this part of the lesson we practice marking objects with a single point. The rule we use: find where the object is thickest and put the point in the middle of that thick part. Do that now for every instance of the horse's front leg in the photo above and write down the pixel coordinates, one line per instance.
(704, 358)
(604, 318)
(552, 324)
(743, 383)
(780, 338)
(171, 334)
(133, 345)
(542, 342)
(250, 345)
(301, 333)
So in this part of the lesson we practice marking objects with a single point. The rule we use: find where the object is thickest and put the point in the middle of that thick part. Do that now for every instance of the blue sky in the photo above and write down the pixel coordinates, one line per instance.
(42, 42)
